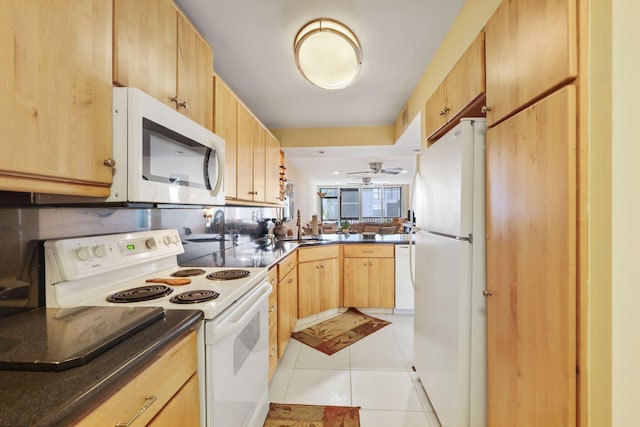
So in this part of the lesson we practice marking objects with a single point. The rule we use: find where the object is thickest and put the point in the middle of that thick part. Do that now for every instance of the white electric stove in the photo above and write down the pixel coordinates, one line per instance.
(140, 269)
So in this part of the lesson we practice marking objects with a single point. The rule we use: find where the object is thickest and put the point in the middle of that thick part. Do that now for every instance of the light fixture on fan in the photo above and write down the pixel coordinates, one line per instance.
(327, 53)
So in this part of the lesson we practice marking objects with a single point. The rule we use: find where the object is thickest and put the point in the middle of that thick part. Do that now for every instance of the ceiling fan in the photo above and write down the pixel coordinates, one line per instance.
(376, 168)
(366, 180)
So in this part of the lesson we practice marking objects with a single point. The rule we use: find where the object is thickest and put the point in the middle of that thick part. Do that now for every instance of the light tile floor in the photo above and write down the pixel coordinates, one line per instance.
(374, 373)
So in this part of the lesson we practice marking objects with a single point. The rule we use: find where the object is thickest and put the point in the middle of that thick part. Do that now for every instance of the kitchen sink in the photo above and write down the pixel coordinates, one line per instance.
(204, 238)
(308, 239)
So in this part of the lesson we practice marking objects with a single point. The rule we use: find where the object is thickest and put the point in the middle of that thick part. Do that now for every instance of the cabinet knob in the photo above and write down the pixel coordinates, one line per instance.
(442, 113)
(184, 104)
(487, 293)
(110, 162)
(176, 100)
(485, 109)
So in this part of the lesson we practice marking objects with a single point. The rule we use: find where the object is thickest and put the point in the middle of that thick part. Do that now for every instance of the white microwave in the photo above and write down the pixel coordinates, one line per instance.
(162, 156)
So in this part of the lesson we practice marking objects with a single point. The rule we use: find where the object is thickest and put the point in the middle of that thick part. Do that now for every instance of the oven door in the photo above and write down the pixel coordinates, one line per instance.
(237, 362)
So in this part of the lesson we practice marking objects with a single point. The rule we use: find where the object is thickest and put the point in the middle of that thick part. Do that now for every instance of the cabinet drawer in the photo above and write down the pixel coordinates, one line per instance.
(162, 379)
(315, 254)
(285, 266)
(369, 251)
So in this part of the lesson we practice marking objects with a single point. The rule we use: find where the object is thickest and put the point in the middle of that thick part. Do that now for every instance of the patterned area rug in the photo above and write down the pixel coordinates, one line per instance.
(287, 415)
(335, 334)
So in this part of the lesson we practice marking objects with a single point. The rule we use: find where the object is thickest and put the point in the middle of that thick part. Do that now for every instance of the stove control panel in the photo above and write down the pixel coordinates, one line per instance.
(77, 258)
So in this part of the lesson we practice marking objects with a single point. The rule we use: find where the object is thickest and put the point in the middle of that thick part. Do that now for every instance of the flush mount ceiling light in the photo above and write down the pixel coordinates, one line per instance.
(327, 53)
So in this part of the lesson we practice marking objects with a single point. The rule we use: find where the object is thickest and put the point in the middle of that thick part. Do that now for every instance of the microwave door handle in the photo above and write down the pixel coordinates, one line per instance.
(207, 178)
(220, 171)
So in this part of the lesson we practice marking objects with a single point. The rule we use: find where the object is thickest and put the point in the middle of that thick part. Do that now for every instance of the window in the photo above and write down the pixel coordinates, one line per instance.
(360, 204)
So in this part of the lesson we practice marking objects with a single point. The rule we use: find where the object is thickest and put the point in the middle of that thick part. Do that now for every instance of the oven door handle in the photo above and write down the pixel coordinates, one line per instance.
(239, 313)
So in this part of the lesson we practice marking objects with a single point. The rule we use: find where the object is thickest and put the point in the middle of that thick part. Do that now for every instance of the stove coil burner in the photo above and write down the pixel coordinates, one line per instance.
(230, 274)
(188, 272)
(194, 297)
(143, 293)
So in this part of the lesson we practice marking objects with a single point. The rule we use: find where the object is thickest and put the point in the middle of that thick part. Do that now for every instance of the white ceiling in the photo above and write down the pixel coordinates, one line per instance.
(252, 41)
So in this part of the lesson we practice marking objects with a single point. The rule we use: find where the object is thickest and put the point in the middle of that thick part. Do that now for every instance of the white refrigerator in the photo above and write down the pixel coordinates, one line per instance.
(449, 313)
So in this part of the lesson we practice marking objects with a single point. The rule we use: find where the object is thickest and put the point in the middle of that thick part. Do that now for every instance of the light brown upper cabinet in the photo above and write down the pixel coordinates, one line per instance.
(225, 124)
(460, 93)
(250, 160)
(531, 50)
(157, 50)
(531, 265)
(56, 107)
(272, 169)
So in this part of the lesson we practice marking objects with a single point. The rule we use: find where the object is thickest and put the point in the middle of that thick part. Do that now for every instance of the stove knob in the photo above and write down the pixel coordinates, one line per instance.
(175, 239)
(166, 240)
(84, 253)
(151, 243)
(100, 251)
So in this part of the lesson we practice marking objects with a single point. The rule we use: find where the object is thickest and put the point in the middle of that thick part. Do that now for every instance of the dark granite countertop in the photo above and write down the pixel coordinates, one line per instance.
(262, 253)
(59, 398)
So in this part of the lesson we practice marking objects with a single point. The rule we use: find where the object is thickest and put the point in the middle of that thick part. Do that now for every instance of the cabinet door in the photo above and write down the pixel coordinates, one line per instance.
(381, 282)
(308, 288)
(287, 308)
(225, 124)
(247, 133)
(531, 265)
(259, 163)
(435, 113)
(56, 107)
(531, 49)
(356, 282)
(329, 284)
(466, 81)
(145, 46)
(272, 173)
(195, 68)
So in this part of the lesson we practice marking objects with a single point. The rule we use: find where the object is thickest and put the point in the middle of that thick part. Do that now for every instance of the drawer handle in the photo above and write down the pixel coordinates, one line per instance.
(149, 399)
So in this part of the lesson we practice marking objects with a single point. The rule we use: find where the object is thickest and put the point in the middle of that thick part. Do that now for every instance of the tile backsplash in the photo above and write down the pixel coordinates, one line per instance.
(23, 229)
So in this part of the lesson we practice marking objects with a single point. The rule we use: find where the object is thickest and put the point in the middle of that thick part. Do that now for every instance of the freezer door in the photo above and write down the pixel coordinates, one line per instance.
(452, 372)
(447, 182)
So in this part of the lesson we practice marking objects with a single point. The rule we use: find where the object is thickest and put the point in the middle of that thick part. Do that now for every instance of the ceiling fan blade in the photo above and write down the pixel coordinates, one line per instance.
(353, 173)
(392, 171)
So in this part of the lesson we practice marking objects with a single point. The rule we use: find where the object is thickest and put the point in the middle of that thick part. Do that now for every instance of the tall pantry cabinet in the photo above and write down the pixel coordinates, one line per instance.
(531, 60)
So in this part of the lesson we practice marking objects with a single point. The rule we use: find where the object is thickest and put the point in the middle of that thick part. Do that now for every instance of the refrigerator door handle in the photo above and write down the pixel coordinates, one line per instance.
(462, 239)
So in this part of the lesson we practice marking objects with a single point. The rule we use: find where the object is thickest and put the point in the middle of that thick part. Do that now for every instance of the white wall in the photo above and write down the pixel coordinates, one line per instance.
(625, 214)
(305, 198)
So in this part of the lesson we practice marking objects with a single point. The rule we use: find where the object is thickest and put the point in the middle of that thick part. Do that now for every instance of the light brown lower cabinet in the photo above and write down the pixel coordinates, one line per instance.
(164, 393)
(369, 275)
(531, 265)
(273, 322)
(287, 307)
(318, 280)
